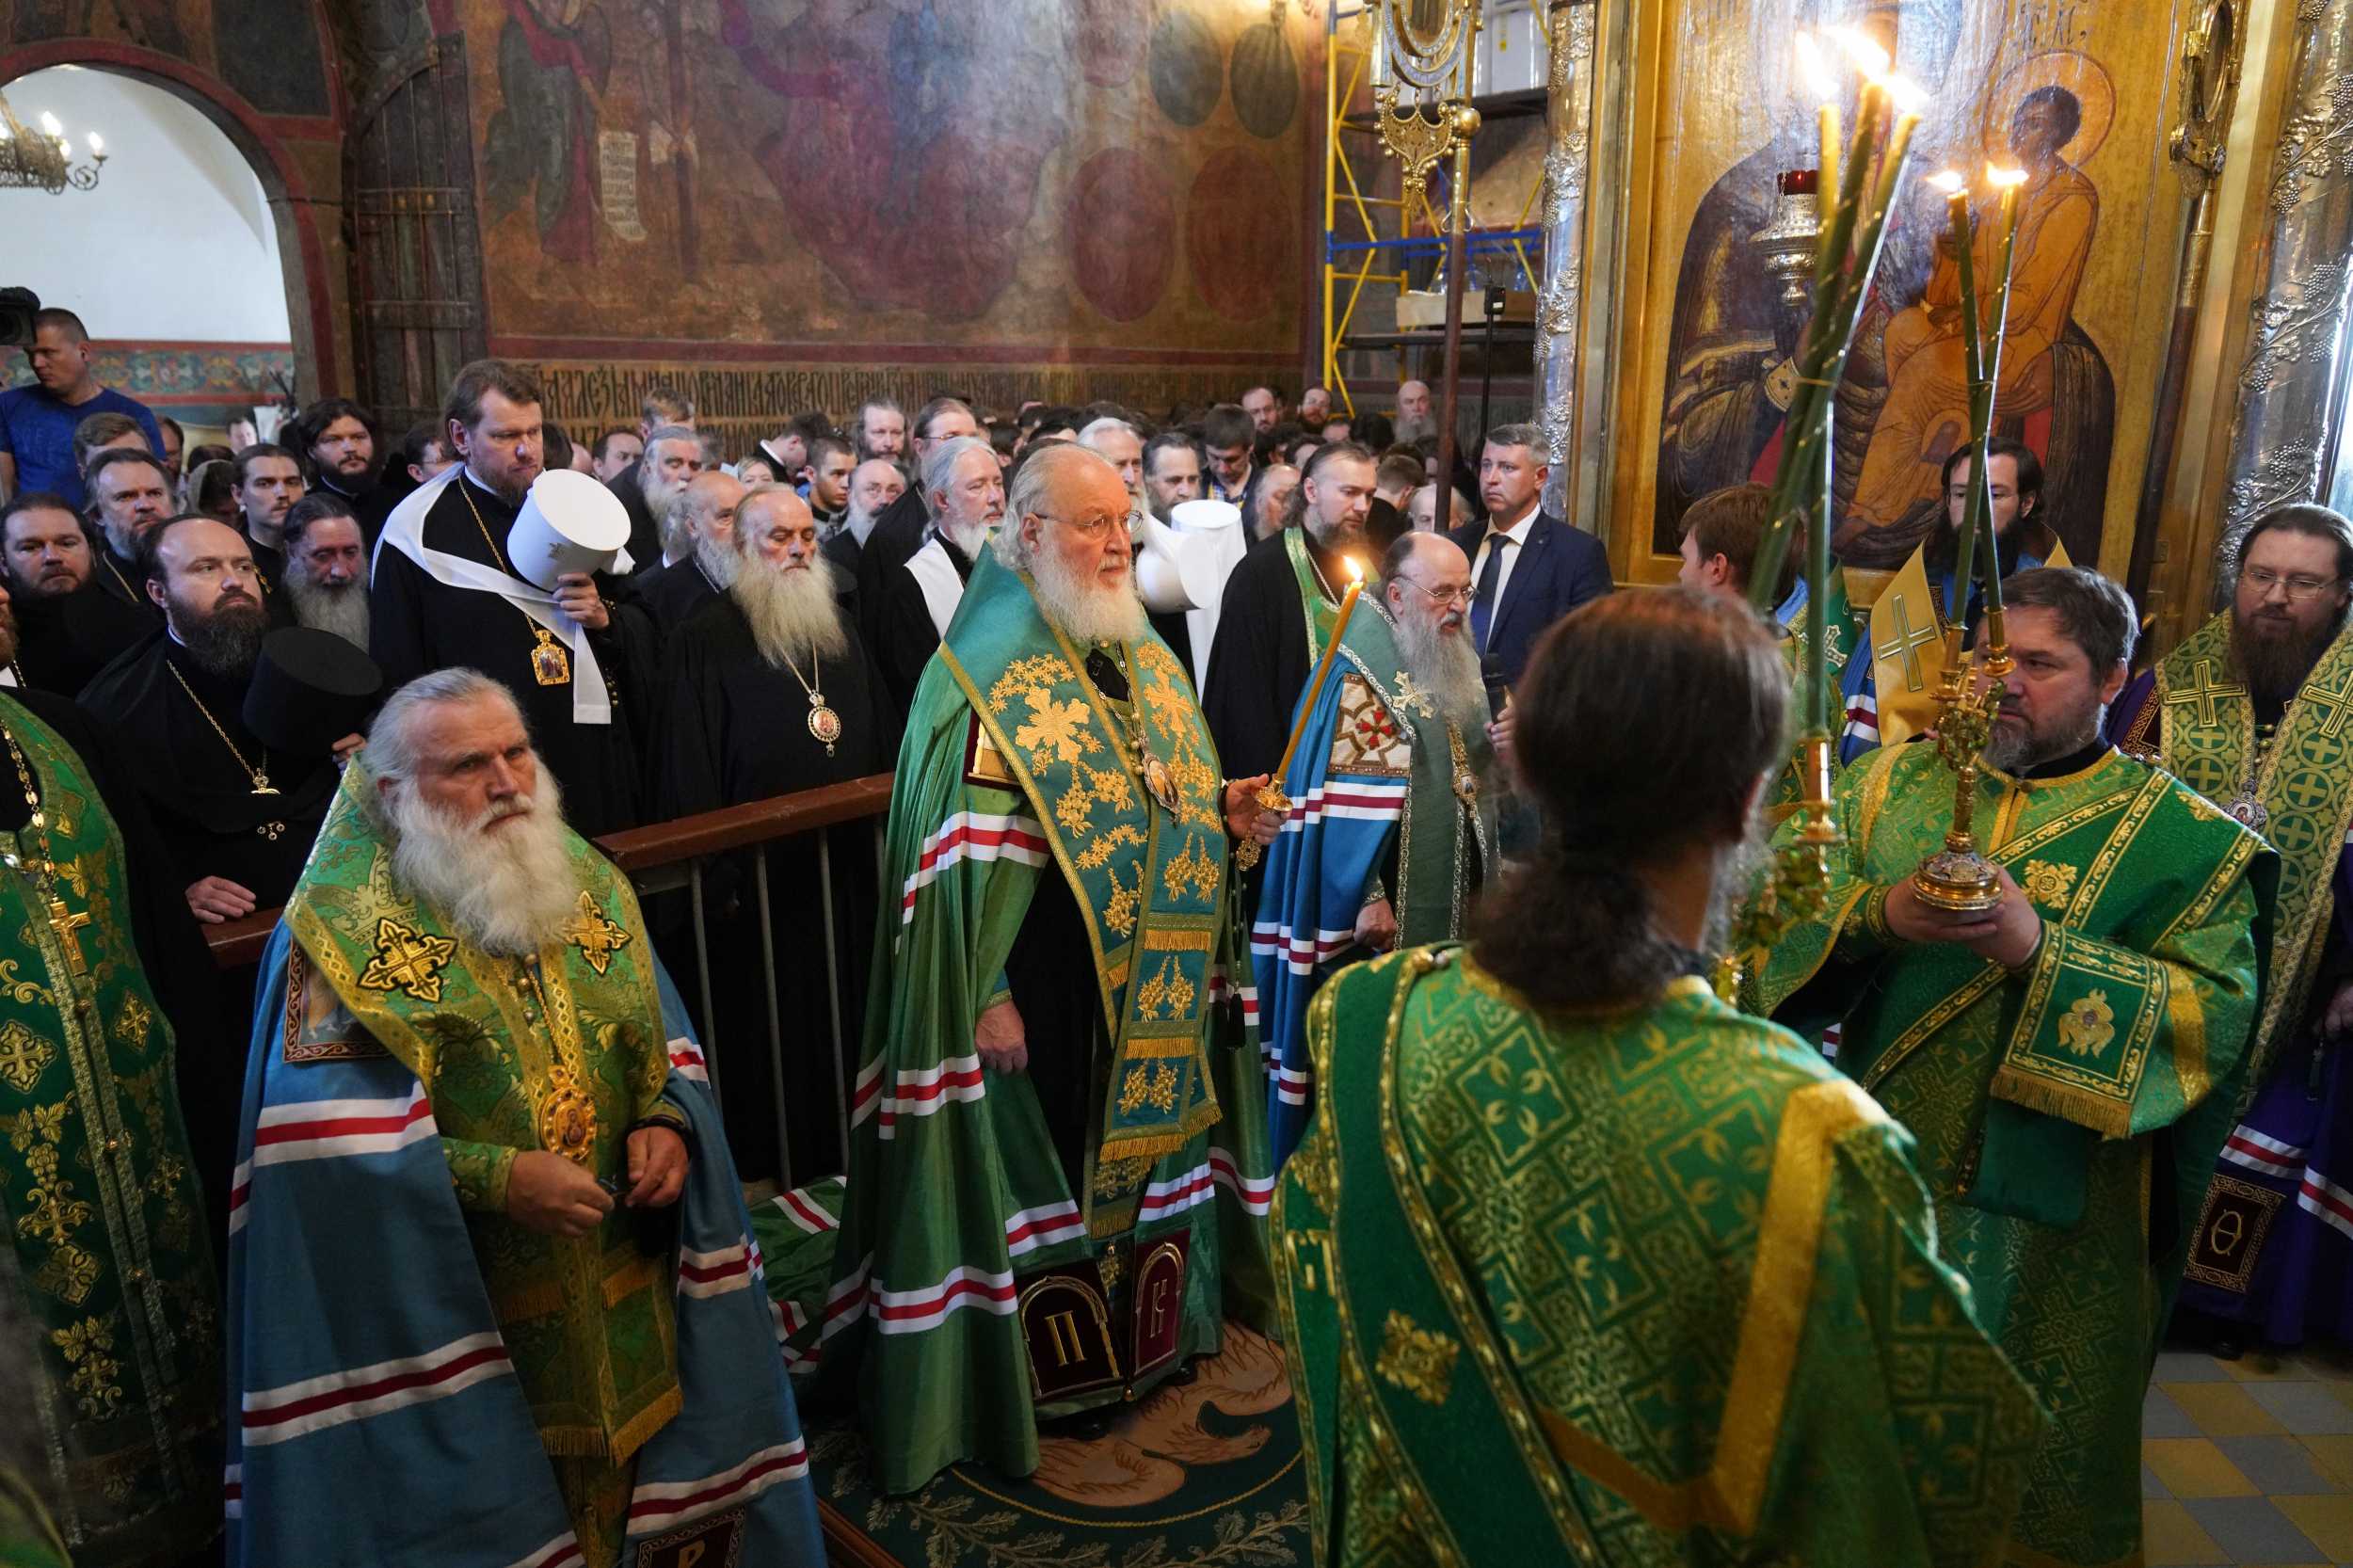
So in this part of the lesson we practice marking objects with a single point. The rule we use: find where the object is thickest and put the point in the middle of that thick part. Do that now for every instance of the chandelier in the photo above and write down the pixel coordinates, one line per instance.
(43, 158)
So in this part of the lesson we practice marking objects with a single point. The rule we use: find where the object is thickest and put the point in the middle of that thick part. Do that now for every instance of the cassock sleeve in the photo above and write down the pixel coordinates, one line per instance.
(396, 639)
(908, 637)
(690, 736)
(1239, 699)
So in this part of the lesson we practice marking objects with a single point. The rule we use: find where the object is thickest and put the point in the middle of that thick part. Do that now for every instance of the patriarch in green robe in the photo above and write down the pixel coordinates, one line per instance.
(1058, 1149)
(2070, 1060)
(1580, 1264)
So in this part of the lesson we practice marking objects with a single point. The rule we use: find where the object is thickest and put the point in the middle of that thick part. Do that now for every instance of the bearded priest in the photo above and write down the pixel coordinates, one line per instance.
(1058, 1144)
(2249, 711)
(1392, 826)
(770, 692)
(2069, 1059)
(547, 1343)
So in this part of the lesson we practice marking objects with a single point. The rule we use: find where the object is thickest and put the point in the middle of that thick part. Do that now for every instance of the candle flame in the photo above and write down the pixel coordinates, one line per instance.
(1901, 91)
(1863, 49)
(49, 123)
(1815, 69)
(97, 145)
(1948, 182)
(1355, 573)
(2004, 176)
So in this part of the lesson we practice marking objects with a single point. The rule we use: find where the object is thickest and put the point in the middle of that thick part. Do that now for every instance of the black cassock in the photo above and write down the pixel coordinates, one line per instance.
(1258, 664)
(199, 795)
(64, 640)
(735, 729)
(417, 625)
(207, 1009)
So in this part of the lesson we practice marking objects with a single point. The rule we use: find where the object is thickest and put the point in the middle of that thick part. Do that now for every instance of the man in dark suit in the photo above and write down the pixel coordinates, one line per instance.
(1527, 570)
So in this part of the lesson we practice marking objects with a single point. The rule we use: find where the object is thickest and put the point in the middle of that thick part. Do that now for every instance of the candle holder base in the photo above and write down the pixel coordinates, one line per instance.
(1958, 881)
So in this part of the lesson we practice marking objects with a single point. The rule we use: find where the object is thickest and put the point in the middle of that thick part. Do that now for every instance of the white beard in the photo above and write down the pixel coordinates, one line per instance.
(719, 561)
(508, 892)
(793, 613)
(970, 537)
(1086, 611)
(859, 522)
(1448, 669)
(343, 611)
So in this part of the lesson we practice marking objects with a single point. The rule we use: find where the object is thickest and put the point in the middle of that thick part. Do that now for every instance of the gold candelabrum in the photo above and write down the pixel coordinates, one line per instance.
(1959, 878)
(1854, 189)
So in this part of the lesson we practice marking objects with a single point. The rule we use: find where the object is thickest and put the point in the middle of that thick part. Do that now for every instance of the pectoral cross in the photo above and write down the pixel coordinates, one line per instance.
(1906, 643)
(2204, 692)
(66, 924)
(2338, 701)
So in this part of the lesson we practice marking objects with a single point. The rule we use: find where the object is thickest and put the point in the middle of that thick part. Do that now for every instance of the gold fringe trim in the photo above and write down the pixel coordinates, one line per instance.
(575, 1442)
(647, 1421)
(2108, 1117)
(635, 1274)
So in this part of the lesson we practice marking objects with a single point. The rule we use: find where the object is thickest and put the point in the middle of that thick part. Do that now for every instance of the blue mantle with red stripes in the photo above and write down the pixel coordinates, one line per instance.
(373, 1413)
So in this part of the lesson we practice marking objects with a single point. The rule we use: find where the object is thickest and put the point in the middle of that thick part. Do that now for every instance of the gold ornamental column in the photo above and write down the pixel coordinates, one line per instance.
(2281, 441)
(1560, 302)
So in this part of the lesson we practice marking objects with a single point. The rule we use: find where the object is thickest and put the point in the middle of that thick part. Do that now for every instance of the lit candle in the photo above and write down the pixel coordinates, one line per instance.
(2008, 182)
(97, 146)
(49, 123)
(1324, 667)
(1823, 87)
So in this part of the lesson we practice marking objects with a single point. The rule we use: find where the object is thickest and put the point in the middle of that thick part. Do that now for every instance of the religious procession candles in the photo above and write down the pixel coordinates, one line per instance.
(1962, 228)
(1323, 668)
(1817, 81)
(2008, 182)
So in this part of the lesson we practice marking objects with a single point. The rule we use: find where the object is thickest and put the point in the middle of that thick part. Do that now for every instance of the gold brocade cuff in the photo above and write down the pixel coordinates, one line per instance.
(479, 1172)
(1867, 933)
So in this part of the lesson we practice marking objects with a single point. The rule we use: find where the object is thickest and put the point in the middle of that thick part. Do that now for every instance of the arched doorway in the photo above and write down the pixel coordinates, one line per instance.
(176, 258)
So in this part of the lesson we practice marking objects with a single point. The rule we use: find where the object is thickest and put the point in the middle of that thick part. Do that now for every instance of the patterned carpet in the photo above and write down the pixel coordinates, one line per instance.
(1201, 1475)
(2249, 1463)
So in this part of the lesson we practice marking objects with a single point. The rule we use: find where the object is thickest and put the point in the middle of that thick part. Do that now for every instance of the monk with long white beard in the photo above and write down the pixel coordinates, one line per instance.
(769, 692)
(1393, 822)
(488, 1243)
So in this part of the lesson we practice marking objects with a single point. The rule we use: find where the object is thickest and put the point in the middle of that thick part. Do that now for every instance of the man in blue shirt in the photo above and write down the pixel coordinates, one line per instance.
(37, 422)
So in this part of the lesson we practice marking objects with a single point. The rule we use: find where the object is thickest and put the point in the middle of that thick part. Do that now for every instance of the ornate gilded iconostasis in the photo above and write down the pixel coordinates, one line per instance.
(2130, 358)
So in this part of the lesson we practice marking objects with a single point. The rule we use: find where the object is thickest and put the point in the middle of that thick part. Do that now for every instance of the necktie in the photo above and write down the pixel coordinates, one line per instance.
(1490, 582)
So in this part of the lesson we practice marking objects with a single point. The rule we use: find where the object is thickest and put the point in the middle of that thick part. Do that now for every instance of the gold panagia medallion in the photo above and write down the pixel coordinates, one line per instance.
(1161, 782)
(551, 660)
(824, 721)
(568, 1117)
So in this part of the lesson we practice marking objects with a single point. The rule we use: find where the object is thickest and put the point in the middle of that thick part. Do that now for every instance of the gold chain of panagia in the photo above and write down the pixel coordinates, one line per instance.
(260, 775)
(40, 820)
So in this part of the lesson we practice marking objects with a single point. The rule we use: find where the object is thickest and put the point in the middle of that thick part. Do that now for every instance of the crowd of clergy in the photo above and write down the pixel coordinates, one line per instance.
(1265, 805)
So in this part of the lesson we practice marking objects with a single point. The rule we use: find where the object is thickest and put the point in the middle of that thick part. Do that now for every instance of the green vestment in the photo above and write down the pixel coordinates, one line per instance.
(2199, 723)
(978, 1280)
(1693, 1271)
(563, 1051)
(2038, 1096)
(111, 1272)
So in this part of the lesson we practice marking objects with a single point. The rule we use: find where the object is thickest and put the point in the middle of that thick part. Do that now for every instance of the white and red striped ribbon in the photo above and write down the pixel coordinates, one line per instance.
(687, 1058)
(973, 836)
(1177, 1194)
(807, 1216)
(914, 1311)
(2252, 1150)
(1258, 1196)
(562, 1552)
(312, 1404)
(1358, 800)
(2324, 1198)
(704, 1274)
(1031, 1228)
(666, 1504)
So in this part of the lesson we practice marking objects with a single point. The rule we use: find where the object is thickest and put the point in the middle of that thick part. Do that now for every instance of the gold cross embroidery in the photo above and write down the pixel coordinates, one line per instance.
(2204, 692)
(1905, 644)
(2339, 701)
(408, 959)
(597, 938)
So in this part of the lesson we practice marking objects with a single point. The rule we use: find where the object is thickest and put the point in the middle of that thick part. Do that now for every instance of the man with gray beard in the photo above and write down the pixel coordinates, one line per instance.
(238, 816)
(964, 487)
(1395, 753)
(327, 567)
(698, 550)
(769, 691)
(674, 455)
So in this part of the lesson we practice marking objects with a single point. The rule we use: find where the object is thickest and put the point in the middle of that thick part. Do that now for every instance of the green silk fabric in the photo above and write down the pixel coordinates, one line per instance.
(112, 1264)
(1648, 1287)
(2036, 1095)
(587, 1320)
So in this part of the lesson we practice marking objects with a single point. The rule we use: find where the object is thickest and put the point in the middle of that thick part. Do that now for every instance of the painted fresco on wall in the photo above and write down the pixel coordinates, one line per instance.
(1051, 176)
(268, 50)
(2077, 93)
